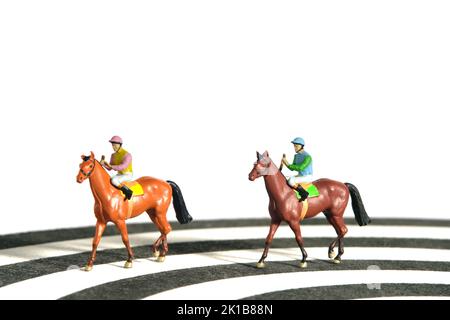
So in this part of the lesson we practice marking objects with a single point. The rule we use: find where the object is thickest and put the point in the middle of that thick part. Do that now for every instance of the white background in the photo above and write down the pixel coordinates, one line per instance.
(196, 87)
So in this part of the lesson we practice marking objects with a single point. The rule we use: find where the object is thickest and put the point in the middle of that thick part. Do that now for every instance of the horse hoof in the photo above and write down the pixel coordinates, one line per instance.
(161, 258)
(87, 268)
(303, 265)
(331, 255)
(260, 265)
(336, 261)
(156, 254)
(128, 265)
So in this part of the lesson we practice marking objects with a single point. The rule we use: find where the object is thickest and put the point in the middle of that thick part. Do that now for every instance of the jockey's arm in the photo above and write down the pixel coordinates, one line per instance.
(301, 166)
(285, 161)
(126, 161)
(107, 165)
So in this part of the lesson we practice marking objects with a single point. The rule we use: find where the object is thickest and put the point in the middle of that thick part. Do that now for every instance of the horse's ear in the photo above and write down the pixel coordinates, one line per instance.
(258, 155)
(92, 155)
(83, 156)
(265, 154)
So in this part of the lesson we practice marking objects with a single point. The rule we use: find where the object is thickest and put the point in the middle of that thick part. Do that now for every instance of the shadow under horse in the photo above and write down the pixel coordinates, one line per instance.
(284, 206)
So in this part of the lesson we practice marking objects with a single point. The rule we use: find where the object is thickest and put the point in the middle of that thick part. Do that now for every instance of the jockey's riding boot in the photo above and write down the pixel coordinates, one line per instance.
(127, 192)
(303, 193)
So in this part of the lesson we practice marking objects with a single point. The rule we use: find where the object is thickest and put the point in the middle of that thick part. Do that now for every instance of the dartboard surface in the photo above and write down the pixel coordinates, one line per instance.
(389, 259)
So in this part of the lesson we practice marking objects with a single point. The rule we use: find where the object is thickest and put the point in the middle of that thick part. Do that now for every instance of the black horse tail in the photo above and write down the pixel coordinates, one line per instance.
(181, 211)
(358, 207)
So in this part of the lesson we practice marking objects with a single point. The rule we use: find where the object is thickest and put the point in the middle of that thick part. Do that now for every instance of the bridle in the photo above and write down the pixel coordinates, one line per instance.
(87, 175)
(267, 169)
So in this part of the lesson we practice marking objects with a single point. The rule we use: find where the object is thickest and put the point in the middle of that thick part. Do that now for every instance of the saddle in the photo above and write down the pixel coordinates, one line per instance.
(135, 187)
(312, 190)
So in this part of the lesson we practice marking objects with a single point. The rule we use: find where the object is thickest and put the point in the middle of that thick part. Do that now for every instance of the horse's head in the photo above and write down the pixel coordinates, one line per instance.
(86, 167)
(262, 167)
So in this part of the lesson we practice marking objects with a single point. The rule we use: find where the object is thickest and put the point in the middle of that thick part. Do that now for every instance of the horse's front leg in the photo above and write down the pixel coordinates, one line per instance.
(99, 229)
(295, 226)
(121, 225)
(274, 224)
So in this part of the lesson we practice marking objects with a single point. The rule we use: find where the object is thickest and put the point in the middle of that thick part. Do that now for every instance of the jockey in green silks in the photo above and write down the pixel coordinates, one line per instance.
(303, 165)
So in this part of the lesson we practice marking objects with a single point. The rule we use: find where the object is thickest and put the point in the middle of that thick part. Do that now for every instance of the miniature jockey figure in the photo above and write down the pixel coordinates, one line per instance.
(121, 161)
(303, 165)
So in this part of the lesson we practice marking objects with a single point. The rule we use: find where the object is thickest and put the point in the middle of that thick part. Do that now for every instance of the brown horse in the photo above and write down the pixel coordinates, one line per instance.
(111, 206)
(284, 206)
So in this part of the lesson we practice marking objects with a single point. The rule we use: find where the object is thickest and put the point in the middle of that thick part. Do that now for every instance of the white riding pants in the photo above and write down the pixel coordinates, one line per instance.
(118, 179)
(294, 180)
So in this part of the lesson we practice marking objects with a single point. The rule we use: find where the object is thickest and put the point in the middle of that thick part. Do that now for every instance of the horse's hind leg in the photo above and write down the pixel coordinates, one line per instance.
(160, 246)
(341, 230)
(331, 253)
(157, 243)
(124, 233)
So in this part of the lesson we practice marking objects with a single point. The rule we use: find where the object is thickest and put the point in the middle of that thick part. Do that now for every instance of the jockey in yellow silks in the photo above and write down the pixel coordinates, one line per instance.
(121, 161)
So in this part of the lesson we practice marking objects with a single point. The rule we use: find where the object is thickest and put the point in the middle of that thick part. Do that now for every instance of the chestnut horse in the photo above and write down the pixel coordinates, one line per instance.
(111, 206)
(284, 206)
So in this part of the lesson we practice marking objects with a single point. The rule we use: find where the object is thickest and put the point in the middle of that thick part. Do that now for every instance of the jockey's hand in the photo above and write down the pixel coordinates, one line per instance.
(105, 164)
(285, 161)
